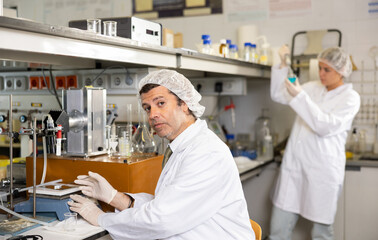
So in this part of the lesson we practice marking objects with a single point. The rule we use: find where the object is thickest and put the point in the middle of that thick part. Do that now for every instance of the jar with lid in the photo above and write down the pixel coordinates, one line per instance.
(206, 47)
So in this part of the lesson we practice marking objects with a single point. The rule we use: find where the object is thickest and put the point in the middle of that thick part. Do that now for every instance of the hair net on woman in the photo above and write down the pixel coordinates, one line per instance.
(337, 59)
(179, 85)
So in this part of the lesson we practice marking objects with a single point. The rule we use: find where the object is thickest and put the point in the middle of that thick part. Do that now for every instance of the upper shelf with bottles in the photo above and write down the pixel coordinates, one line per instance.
(28, 41)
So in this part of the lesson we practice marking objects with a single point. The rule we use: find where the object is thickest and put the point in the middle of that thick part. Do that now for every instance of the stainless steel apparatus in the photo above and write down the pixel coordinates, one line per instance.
(85, 121)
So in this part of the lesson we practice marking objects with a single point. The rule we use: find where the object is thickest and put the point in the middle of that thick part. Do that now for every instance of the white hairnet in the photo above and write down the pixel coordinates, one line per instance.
(337, 59)
(179, 85)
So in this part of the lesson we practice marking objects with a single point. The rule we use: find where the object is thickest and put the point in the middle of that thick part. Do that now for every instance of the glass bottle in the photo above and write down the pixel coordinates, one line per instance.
(223, 48)
(234, 51)
(142, 139)
(247, 52)
(254, 56)
(206, 48)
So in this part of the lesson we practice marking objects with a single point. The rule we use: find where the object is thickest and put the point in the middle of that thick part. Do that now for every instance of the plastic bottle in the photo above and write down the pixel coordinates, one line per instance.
(223, 48)
(247, 52)
(262, 129)
(206, 47)
(267, 145)
(234, 51)
(264, 54)
(254, 56)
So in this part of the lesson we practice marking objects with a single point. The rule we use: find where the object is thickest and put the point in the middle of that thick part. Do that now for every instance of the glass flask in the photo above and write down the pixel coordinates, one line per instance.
(142, 139)
(262, 130)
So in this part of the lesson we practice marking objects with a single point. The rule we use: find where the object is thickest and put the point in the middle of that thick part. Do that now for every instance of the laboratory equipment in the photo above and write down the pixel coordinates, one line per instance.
(124, 141)
(133, 28)
(142, 139)
(265, 51)
(262, 131)
(83, 121)
(110, 28)
(94, 25)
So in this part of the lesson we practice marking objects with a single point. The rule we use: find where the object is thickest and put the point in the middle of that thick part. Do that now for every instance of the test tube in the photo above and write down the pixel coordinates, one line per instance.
(110, 28)
(94, 25)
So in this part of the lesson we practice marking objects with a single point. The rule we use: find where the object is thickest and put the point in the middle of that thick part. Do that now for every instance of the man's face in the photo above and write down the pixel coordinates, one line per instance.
(165, 116)
(329, 77)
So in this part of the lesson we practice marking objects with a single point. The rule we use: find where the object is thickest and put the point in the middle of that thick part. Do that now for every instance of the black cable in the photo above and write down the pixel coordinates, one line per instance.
(26, 237)
(53, 84)
(44, 79)
(116, 66)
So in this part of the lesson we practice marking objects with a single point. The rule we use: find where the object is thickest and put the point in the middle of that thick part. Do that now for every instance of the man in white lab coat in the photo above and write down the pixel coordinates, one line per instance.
(199, 193)
(313, 166)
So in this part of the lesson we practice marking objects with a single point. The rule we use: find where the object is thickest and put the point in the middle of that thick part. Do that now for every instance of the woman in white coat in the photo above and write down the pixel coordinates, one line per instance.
(312, 170)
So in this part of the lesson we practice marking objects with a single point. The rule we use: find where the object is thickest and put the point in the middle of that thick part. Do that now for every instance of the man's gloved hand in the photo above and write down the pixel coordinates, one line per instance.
(86, 208)
(293, 88)
(284, 52)
(96, 186)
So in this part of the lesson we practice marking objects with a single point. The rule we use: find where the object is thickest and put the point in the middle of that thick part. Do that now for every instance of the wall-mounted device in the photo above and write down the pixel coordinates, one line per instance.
(130, 27)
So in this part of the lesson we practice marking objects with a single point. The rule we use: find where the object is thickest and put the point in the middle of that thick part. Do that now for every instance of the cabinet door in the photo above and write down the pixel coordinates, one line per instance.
(361, 204)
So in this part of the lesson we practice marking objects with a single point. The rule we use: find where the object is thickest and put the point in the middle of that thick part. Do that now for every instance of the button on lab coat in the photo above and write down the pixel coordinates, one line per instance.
(312, 170)
(198, 195)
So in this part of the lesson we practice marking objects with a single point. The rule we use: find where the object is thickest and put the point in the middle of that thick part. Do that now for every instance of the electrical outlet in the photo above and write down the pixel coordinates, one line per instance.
(123, 81)
(101, 81)
(60, 82)
(8, 84)
(34, 82)
(42, 84)
(72, 81)
(19, 83)
(230, 86)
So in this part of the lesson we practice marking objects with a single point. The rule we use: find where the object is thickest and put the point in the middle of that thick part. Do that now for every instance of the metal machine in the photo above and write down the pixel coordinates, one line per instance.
(131, 27)
(84, 121)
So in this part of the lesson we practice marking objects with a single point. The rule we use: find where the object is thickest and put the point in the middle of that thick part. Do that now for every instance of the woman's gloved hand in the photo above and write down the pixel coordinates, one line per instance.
(284, 53)
(86, 208)
(293, 88)
(96, 186)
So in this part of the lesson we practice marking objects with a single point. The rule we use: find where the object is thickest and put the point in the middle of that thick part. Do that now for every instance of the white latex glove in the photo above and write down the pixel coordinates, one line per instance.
(293, 88)
(96, 186)
(86, 208)
(284, 51)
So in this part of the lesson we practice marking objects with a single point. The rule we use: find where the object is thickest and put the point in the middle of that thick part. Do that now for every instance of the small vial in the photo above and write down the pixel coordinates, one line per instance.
(234, 51)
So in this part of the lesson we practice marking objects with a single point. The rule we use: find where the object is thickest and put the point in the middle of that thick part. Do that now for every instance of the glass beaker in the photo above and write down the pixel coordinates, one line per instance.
(70, 221)
(124, 141)
(94, 25)
(110, 28)
(142, 139)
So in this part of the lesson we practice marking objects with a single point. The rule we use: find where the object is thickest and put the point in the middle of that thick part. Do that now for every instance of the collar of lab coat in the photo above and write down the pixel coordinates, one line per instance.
(182, 140)
(338, 90)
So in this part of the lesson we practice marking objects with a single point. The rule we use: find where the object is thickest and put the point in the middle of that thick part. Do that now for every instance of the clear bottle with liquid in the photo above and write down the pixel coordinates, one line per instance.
(142, 139)
(234, 51)
(223, 48)
(254, 55)
(262, 129)
(206, 47)
(247, 52)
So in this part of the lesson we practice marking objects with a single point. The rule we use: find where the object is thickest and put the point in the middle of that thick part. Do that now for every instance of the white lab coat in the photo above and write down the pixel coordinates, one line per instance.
(198, 196)
(312, 170)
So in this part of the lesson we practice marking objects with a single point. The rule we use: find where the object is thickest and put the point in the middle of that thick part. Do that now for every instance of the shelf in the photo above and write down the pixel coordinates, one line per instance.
(28, 41)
